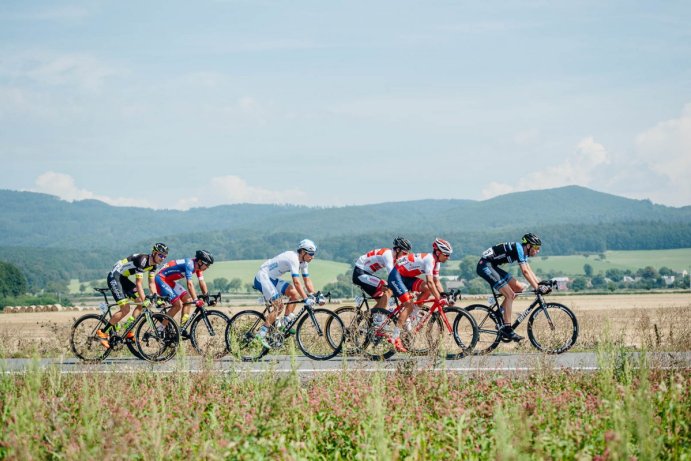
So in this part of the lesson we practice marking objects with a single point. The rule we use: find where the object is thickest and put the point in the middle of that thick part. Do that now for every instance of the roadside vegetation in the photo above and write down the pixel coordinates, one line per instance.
(625, 410)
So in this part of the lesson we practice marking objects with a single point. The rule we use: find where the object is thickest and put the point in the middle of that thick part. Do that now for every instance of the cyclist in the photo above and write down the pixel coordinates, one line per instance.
(272, 287)
(178, 295)
(404, 278)
(503, 282)
(124, 291)
(369, 263)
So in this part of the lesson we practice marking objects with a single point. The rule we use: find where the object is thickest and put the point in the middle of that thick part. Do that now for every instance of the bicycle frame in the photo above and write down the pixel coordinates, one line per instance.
(539, 301)
(197, 311)
(436, 307)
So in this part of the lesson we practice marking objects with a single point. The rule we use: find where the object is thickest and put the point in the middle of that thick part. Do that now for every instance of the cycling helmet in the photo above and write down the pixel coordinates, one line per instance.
(531, 239)
(160, 248)
(443, 246)
(205, 257)
(402, 243)
(307, 245)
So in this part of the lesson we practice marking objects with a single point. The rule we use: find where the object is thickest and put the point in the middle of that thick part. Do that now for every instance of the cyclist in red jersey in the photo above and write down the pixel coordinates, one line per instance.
(369, 263)
(404, 278)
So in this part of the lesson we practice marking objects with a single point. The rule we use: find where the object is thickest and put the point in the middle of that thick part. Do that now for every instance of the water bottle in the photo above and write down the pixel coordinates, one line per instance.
(358, 300)
(288, 319)
(490, 300)
(103, 307)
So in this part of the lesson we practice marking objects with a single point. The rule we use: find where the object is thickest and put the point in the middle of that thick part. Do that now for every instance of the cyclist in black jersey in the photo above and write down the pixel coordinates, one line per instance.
(125, 291)
(510, 252)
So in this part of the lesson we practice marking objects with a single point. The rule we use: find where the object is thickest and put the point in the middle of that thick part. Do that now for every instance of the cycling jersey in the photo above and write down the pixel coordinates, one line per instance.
(120, 285)
(375, 260)
(267, 279)
(166, 278)
(414, 264)
(503, 253)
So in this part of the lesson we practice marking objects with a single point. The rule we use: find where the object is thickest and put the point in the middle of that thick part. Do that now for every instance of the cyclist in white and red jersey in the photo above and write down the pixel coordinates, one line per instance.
(503, 282)
(369, 263)
(268, 281)
(124, 291)
(178, 295)
(404, 278)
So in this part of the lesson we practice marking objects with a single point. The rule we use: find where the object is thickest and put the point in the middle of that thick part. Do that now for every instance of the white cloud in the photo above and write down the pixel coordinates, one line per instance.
(582, 168)
(64, 187)
(233, 189)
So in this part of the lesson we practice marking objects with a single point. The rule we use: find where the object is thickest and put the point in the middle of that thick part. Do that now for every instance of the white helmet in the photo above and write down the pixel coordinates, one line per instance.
(443, 246)
(307, 245)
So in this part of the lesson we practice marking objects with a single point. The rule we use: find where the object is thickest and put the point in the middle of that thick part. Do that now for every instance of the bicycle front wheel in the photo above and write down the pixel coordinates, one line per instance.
(487, 327)
(84, 342)
(427, 339)
(465, 333)
(355, 324)
(553, 328)
(320, 334)
(241, 336)
(379, 331)
(158, 342)
(208, 334)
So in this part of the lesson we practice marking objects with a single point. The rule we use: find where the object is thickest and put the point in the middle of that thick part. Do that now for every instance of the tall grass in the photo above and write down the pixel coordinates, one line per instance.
(624, 411)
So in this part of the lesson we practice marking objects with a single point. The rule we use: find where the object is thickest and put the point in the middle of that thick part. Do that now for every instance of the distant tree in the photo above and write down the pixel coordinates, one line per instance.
(579, 284)
(468, 267)
(249, 287)
(82, 288)
(648, 273)
(599, 281)
(12, 281)
(235, 284)
(588, 270)
(220, 284)
(664, 270)
(615, 275)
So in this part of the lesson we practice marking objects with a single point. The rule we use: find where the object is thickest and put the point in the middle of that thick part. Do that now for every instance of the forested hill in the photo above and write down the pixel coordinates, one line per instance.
(38, 220)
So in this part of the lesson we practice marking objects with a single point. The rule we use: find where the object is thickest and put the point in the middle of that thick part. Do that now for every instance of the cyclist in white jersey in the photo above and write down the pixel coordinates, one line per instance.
(369, 263)
(268, 281)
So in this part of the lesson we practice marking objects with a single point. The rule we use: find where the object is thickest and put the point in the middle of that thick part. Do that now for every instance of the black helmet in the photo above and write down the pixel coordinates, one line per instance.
(205, 257)
(160, 248)
(402, 243)
(531, 239)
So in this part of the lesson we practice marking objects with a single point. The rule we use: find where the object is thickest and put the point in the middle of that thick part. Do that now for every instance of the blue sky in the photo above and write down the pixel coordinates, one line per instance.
(187, 104)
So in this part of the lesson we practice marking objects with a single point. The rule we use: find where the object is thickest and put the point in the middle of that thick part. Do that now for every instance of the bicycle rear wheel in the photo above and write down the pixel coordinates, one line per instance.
(84, 342)
(488, 328)
(553, 328)
(379, 330)
(465, 333)
(355, 324)
(320, 336)
(427, 339)
(241, 336)
(208, 334)
(160, 342)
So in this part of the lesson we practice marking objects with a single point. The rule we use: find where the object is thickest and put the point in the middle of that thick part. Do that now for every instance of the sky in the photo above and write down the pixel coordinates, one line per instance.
(177, 104)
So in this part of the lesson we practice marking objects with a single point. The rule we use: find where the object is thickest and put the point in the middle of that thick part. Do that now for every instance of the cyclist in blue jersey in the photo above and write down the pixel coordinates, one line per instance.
(505, 253)
(178, 295)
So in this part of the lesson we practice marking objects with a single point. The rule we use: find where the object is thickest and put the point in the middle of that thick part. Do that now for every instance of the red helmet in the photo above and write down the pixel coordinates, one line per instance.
(443, 246)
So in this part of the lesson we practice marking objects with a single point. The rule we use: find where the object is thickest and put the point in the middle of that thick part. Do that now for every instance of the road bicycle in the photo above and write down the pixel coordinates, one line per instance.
(552, 327)
(205, 328)
(314, 338)
(425, 332)
(156, 335)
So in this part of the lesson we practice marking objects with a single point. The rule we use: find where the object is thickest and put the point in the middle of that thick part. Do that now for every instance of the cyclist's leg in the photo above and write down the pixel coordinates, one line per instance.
(501, 281)
(401, 290)
(122, 289)
(272, 293)
(373, 286)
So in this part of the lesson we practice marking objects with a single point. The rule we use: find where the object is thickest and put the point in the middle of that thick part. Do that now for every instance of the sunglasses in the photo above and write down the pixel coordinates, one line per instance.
(161, 255)
(311, 253)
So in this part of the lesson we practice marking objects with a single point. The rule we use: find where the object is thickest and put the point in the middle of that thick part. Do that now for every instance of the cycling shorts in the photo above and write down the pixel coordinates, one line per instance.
(370, 284)
(402, 286)
(170, 289)
(497, 277)
(270, 288)
(122, 288)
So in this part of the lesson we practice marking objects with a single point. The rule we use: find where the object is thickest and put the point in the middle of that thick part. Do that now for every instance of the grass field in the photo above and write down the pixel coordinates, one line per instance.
(677, 260)
(321, 272)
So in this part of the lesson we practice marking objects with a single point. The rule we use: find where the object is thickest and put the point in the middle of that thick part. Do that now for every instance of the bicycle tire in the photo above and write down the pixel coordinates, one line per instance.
(377, 346)
(558, 318)
(487, 326)
(240, 336)
(210, 343)
(355, 324)
(323, 340)
(158, 344)
(465, 332)
(83, 340)
(427, 339)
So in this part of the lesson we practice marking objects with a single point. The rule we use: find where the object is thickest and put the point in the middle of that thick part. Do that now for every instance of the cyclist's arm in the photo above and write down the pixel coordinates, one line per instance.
(190, 288)
(298, 286)
(202, 286)
(434, 286)
(139, 283)
(529, 275)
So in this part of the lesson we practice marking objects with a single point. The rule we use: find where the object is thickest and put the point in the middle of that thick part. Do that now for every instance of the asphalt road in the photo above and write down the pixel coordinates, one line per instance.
(519, 363)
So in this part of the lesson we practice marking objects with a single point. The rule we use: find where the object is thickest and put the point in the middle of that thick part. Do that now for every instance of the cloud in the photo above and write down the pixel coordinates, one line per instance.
(233, 189)
(63, 186)
(582, 168)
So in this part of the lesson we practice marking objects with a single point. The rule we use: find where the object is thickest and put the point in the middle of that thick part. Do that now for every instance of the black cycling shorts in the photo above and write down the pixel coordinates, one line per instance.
(121, 287)
(370, 284)
(494, 275)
